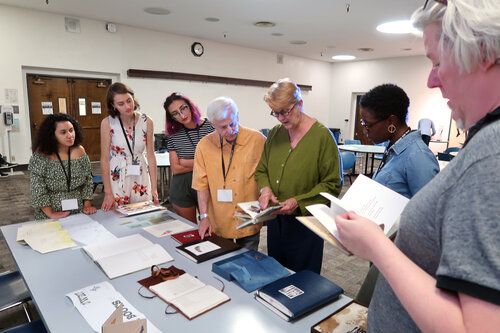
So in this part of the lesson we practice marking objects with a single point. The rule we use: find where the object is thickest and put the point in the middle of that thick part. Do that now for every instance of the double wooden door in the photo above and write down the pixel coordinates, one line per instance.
(82, 98)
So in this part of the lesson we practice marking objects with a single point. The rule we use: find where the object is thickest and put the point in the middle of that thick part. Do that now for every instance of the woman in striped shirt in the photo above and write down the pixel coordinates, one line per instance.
(185, 128)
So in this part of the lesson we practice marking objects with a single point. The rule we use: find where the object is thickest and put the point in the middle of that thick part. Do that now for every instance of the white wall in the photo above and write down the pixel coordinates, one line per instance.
(37, 41)
(410, 73)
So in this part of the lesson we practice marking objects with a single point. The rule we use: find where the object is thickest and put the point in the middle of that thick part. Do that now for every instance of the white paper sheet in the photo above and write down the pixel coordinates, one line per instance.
(83, 229)
(98, 301)
(168, 228)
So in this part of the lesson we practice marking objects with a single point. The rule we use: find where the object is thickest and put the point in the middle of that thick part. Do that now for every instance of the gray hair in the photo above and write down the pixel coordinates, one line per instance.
(219, 108)
(470, 28)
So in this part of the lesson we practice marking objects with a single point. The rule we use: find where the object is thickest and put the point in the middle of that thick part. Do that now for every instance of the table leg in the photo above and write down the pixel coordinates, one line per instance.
(366, 163)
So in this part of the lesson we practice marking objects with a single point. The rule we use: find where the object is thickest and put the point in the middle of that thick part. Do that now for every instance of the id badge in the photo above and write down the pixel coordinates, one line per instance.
(133, 170)
(224, 195)
(69, 204)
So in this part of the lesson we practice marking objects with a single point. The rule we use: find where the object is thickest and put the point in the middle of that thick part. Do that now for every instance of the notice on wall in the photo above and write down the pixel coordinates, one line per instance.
(96, 107)
(11, 96)
(62, 105)
(15, 126)
(47, 108)
(82, 110)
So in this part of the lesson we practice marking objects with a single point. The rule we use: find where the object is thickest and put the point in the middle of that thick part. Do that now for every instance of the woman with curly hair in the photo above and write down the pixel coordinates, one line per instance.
(185, 128)
(128, 162)
(61, 179)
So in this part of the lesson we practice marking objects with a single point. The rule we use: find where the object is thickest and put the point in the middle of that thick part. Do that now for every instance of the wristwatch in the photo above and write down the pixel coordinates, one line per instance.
(202, 216)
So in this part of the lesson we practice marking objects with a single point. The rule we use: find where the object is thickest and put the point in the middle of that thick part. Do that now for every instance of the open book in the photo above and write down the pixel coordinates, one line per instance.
(189, 295)
(137, 208)
(367, 198)
(254, 214)
(126, 255)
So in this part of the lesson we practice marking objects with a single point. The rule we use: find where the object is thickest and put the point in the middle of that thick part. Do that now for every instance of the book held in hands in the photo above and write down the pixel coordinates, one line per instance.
(126, 255)
(298, 294)
(254, 213)
(367, 198)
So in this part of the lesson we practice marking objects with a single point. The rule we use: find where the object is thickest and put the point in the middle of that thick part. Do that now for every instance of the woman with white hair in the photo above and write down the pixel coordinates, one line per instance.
(300, 160)
(442, 274)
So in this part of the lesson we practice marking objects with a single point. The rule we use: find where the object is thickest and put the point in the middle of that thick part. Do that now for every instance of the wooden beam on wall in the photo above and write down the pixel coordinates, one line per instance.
(203, 78)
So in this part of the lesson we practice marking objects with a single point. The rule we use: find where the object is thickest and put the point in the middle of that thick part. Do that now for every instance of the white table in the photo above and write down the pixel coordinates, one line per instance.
(365, 149)
(50, 276)
(163, 165)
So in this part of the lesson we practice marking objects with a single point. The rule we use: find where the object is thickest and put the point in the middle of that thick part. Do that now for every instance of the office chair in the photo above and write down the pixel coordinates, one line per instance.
(452, 150)
(13, 292)
(348, 162)
(97, 180)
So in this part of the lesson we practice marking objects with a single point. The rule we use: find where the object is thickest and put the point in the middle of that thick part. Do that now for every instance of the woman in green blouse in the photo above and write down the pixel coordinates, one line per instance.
(61, 179)
(300, 160)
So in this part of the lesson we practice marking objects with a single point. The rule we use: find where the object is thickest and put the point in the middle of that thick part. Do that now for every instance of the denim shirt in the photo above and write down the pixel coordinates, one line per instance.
(409, 166)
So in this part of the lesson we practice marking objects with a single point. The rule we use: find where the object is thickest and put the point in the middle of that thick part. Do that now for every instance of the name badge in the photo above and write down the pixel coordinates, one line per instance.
(69, 204)
(133, 170)
(224, 195)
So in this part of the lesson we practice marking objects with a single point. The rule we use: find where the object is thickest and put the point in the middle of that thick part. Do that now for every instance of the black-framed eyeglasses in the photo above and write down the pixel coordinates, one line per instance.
(283, 112)
(444, 2)
(368, 126)
(182, 110)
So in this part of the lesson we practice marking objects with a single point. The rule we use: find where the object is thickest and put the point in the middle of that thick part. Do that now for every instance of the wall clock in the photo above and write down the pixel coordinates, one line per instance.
(197, 49)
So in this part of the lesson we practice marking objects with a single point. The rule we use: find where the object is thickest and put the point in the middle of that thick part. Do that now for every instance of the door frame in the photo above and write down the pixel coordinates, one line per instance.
(114, 77)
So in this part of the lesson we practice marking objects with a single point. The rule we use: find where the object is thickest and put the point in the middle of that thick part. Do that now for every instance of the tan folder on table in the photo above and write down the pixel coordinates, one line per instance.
(115, 324)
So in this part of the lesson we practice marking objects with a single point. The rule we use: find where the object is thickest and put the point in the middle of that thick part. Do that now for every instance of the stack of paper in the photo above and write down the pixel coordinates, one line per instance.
(45, 236)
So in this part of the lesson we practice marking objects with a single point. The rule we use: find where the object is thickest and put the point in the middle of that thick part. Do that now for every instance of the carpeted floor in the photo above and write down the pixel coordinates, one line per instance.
(346, 271)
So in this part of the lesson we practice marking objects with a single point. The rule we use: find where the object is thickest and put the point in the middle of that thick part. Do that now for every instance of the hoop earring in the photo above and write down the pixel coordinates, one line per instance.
(391, 128)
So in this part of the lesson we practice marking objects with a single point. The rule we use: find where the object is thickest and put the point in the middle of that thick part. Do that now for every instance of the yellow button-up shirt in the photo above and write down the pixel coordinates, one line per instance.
(207, 175)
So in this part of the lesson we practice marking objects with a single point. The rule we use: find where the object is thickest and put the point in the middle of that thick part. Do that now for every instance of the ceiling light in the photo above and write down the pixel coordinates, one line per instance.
(264, 24)
(157, 11)
(298, 42)
(397, 27)
(365, 49)
(343, 57)
(277, 34)
(406, 49)
(212, 19)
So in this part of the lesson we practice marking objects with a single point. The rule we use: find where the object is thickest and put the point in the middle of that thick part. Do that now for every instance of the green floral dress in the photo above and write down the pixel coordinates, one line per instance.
(49, 185)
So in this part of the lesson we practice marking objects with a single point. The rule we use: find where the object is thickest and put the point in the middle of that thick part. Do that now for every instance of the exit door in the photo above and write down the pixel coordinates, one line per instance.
(82, 98)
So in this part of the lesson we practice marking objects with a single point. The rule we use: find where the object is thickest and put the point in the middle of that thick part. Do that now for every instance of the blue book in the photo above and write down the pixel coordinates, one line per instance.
(251, 269)
(295, 295)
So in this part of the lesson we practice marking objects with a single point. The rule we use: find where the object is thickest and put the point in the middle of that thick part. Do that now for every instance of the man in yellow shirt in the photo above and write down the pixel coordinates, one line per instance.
(223, 173)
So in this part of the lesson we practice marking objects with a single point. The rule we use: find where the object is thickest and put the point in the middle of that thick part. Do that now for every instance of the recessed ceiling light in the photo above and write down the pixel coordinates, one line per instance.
(331, 46)
(157, 11)
(212, 19)
(277, 34)
(298, 42)
(406, 49)
(264, 24)
(343, 57)
(365, 49)
(397, 27)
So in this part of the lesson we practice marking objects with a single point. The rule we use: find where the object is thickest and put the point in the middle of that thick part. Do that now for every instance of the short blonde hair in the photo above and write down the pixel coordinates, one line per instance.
(282, 93)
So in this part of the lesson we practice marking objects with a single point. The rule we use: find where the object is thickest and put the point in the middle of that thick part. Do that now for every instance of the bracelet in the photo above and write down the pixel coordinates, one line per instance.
(202, 216)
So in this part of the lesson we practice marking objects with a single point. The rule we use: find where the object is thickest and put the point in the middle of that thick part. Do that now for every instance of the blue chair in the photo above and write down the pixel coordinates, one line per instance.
(452, 150)
(97, 180)
(265, 131)
(348, 162)
(13, 292)
(31, 327)
(380, 156)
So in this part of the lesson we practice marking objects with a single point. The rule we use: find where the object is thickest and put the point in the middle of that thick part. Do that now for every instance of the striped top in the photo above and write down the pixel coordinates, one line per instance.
(184, 141)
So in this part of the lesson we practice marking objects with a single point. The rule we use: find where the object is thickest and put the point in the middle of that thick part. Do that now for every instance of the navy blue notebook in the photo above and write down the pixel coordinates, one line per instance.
(252, 269)
(298, 294)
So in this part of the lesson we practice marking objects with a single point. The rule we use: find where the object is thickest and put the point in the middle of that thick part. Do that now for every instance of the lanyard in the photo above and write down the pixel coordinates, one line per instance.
(224, 174)
(386, 152)
(67, 175)
(126, 138)
(488, 119)
(197, 134)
